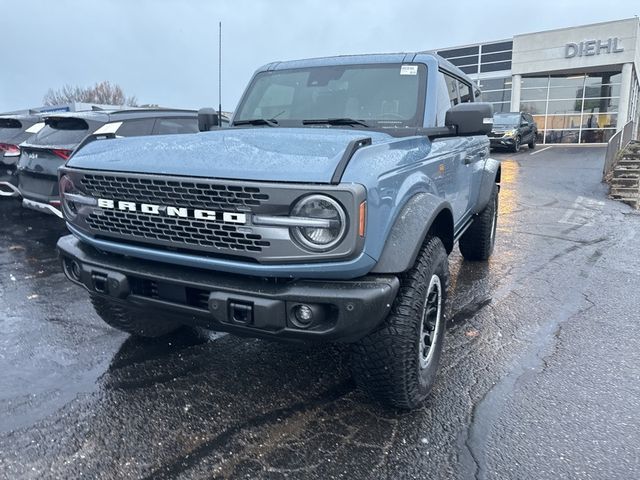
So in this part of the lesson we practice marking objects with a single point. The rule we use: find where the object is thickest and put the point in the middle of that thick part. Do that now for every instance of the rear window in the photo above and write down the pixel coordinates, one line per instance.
(62, 131)
(10, 123)
(170, 126)
(136, 128)
(9, 127)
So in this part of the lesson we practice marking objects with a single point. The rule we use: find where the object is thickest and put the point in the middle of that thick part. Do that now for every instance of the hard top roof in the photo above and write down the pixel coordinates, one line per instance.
(22, 116)
(364, 59)
(104, 115)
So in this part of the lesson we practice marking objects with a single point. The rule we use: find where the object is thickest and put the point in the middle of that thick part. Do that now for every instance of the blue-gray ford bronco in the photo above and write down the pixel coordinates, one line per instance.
(325, 211)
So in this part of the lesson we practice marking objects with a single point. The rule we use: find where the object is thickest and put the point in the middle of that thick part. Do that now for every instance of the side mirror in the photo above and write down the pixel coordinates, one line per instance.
(207, 119)
(470, 118)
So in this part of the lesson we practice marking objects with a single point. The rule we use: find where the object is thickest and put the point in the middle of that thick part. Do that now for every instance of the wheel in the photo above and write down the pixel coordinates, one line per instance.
(120, 317)
(516, 144)
(478, 241)
(397, 363)
(532, 143)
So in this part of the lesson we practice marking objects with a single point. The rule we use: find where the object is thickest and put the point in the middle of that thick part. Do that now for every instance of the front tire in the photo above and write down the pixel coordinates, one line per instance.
(478, 241)
(532, 143)
(397, 363)
(134, 323)
(516, 144)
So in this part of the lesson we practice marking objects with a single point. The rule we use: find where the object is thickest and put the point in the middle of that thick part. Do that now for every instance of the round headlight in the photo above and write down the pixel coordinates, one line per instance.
(320, 207)
(69, 208)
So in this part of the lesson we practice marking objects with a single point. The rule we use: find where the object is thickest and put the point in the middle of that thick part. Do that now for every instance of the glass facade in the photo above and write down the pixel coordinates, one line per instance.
(486, 57)
(497, 91)
(573, 108)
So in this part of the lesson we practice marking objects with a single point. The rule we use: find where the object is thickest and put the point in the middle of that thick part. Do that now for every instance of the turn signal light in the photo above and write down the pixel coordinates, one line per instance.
(362, 219)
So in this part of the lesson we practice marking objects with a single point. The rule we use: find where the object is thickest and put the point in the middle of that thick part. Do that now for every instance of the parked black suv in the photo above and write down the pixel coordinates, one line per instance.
(14, 129)
(511, 130)
(50, 148)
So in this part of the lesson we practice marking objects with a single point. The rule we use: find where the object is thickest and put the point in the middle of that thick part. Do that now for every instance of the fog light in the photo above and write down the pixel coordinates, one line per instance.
(304, 314)
(75, 270)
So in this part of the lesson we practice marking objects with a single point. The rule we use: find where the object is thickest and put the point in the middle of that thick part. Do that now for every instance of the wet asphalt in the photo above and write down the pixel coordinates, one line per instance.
(540, 376)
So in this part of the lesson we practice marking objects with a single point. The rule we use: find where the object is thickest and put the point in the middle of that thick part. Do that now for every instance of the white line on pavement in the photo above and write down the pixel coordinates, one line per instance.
(538, 151)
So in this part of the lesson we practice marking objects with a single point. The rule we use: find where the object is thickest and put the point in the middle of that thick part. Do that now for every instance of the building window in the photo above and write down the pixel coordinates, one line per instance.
(497, 91)
(573, 108)
(487, 57)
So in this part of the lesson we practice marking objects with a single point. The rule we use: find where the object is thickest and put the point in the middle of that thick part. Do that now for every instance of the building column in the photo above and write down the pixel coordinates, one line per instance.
(516, 81)
(625, 95)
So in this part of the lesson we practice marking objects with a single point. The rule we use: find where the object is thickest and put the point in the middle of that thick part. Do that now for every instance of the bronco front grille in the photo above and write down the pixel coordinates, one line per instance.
(176, 232)
(179, 193)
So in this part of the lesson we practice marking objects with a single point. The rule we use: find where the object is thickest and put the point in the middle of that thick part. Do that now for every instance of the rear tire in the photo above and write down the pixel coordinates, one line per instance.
(122, 318)
(478, 241)
(397, 363)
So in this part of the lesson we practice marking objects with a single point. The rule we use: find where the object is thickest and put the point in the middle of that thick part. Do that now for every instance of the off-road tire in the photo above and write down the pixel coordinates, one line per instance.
(516, 144)
(532, 143)
(122, 318)
(478, 241)
(387, 362)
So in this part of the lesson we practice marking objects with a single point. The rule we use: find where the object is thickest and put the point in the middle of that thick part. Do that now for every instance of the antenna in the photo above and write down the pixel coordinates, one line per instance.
(219, 74)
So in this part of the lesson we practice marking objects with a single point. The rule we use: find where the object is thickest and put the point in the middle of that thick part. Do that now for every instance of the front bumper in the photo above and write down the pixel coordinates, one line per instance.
(343, 311)
(502, 141)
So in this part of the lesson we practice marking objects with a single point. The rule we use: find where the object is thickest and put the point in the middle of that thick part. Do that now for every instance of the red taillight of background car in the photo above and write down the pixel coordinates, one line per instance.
(63, 154)
(9, 150)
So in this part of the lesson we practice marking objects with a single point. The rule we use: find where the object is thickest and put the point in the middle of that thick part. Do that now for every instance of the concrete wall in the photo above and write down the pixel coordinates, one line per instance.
(546, 51)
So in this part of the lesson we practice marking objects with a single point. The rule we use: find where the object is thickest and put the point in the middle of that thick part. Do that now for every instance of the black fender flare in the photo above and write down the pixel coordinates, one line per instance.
(421, 212)
(490, 176)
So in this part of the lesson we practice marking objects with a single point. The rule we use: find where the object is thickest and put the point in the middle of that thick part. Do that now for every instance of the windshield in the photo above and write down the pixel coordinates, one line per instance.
(506, 120)
(66, 131)
(383, 96)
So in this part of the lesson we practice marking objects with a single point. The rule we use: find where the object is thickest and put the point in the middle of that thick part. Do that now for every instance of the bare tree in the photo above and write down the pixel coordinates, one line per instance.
(103, 93)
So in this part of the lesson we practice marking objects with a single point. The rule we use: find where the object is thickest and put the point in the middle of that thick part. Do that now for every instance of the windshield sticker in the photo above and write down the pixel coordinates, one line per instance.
(409, 70)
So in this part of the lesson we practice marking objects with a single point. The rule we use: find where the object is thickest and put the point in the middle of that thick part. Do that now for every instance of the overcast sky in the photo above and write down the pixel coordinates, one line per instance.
(165, 51)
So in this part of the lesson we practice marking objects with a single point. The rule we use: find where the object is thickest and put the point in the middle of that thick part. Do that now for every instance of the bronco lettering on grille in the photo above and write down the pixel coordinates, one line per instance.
(181, 212)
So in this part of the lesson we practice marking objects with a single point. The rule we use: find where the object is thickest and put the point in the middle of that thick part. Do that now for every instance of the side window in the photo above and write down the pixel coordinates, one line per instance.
(171, 126)
(465, 92)
(451, 92)
(443, 101)
(452, 89)
(135, 128)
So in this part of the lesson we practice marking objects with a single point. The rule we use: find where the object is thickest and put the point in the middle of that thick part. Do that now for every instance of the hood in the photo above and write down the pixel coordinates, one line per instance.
(267, 154)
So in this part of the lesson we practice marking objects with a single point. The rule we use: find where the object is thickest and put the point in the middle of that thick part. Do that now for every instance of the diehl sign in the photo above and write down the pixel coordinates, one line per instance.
(590, 48)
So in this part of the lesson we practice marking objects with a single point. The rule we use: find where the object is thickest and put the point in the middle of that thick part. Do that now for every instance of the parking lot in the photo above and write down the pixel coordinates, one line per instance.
(539, 377)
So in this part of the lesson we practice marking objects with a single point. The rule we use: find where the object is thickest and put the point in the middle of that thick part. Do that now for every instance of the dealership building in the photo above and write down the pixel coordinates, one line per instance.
(579, 83)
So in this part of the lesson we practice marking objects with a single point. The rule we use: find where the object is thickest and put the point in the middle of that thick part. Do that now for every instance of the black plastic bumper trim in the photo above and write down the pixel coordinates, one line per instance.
(344, 311)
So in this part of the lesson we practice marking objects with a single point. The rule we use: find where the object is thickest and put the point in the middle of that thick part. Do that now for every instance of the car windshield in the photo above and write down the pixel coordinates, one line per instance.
(506, 119)
(355, 96)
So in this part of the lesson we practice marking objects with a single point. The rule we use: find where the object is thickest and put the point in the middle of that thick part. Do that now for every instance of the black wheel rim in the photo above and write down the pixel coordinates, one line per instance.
(430, 322)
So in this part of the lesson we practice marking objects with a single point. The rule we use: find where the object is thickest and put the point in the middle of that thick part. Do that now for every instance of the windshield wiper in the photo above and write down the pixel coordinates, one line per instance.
(272, 122)
(335, 121)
